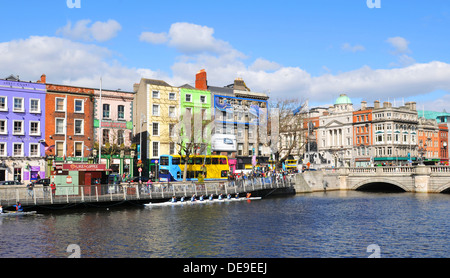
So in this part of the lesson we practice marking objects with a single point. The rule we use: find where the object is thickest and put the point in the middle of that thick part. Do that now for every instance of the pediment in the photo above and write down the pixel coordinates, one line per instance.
(334, 123)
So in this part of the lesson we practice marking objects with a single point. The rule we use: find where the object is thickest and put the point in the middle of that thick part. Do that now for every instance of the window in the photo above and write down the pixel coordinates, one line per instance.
(155, 129)
(59, 149)
(155, 149)
(155, 110)
(171, 148)
(155, 94)
(3, 104)
(18, 105)
(105, 136)
(106, 111)
(240, 149)
(3, 126)
(172, 96)
(2, 149)
(79, 130)
(60, 126)
(121, 112)
(34, 129)
(35, 105)
(18, 174)
(79, 106)
(120, 137)
(34, 150)
(78, 149)
(18, 128)
(17, 149)
(188, 98)
(171, 130)
(172, 112)
(60, 104)
(203, 99)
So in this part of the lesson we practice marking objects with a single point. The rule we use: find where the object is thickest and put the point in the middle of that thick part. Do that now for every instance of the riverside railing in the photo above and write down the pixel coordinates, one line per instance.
(70, 194)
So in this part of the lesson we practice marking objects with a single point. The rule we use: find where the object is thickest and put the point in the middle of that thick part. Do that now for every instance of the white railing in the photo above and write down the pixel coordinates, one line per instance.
(69, 194)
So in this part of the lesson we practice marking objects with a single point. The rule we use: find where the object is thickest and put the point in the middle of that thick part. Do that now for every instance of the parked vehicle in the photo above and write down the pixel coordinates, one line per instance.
(10, 183)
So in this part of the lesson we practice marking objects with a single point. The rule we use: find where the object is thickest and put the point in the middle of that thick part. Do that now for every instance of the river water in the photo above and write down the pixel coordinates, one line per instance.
(316, 225)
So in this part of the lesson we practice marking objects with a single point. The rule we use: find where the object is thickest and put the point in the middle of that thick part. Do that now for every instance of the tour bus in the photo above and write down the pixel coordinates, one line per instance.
(171, 167)
(290, 165)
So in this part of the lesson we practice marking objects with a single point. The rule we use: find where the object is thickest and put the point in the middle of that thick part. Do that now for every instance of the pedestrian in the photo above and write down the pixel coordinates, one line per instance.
(53, 188)
(30, 187)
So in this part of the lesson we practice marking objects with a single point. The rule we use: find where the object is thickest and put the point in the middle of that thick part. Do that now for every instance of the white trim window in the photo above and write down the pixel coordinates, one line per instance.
(172, 112)
(155, 149)
(59, 148)
(203, 99)
(172, 96)
(78, 148)
(188, 98)
(60, 126)
(155, 94)
(121, 112)
(3, 148)
(3, 103)
(35, 128)
(78, 106)
(3, 127)
(155, 110)
(18, 149)
(155, 129)
(18, 104)
(60, 104)
(34, 150)
(18, 128)
(35, 105)
(78, 127)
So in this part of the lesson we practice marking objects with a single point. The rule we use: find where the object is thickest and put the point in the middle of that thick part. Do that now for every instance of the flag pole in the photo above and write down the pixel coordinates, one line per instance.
(100, 126)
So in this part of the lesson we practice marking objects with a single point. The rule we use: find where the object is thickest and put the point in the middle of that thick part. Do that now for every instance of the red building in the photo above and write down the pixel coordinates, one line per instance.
(443, 143)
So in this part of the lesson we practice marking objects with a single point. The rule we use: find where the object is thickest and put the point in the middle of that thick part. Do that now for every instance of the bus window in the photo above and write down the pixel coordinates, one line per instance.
(175, 161)
(191, 161)
(164, 160)
(215, 160)
(223, 160)
(183, 160)
(208, 160)
(223, 174)
(199, 161)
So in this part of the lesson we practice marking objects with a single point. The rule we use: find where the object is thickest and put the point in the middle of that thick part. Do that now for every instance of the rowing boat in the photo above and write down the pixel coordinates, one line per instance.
(178, 203)
(17, 213)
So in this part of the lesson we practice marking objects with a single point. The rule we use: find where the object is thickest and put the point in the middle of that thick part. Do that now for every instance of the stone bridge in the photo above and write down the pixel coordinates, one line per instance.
(421, 178)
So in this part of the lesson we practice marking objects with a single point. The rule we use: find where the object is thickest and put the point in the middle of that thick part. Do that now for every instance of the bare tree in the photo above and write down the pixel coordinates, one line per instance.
(286, 129)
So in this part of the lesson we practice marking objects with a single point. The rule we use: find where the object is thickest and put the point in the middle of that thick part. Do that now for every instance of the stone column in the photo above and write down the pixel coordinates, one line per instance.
(422, 179)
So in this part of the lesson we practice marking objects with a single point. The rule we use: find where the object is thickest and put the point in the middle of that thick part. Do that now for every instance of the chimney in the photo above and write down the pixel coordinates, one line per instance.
(363, 105)
(43, 79)
(376, 104)
(201, 82)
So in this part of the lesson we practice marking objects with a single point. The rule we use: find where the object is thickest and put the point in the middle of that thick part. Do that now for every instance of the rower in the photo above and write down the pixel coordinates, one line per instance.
(193, 198)
(182, 199)
(229, 196)
(1, 209)
(220, 196)
(174, 199)
(237, 196)
(18, 207)
(248, 195)
(211, 197)
(201, 198)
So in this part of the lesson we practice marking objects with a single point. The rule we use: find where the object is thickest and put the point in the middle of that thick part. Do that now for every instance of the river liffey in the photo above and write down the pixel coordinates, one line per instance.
(338, 224)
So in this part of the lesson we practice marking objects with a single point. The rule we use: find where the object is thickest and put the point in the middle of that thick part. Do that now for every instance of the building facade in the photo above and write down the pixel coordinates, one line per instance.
(22, 130)
(69, 125)
(113, 129)
(362, 136)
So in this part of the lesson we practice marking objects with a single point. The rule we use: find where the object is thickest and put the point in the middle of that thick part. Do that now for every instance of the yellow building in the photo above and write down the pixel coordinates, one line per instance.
(156, 113)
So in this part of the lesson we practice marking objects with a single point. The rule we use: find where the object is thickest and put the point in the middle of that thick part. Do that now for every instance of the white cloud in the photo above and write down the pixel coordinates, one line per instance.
(191, 39)
(401, 45)
(348, 47)
(98, 31)
(154, 38)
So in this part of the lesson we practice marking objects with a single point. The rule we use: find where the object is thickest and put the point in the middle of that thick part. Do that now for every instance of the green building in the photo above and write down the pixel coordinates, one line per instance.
(197, 104)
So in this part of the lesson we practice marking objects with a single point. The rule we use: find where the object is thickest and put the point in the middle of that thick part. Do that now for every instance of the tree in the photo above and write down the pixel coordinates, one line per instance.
(286, 129)
(193, 134)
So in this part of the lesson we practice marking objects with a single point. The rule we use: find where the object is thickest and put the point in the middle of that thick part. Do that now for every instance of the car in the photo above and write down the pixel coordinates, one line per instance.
(143, 179)
(10, 183)
(45, 181)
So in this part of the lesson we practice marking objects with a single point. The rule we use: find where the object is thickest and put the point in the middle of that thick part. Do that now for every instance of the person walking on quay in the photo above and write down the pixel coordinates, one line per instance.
(30, 187)
(53, 188)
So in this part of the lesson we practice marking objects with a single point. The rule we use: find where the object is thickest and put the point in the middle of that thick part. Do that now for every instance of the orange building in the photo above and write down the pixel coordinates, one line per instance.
(429, 140)
(69, 123)
(362, 135)
(443, 143)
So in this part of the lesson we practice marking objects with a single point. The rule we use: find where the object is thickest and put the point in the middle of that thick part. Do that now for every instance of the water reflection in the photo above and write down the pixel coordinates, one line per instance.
(331, 224)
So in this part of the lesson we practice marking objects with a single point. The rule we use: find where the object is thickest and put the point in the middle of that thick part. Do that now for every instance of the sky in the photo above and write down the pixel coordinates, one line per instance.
(313, 50)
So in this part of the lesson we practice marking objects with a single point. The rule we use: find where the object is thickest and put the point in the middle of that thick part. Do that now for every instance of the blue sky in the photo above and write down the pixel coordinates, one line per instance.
(305, 49)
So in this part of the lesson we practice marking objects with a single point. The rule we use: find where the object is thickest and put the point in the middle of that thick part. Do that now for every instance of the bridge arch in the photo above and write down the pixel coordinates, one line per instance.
(372, 184)
(444, 188)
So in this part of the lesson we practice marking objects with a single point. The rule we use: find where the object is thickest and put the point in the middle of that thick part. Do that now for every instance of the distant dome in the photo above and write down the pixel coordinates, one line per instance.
(343, 99)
